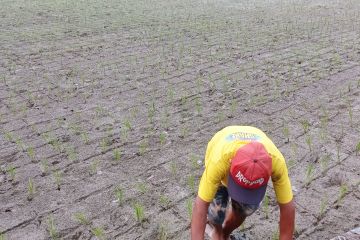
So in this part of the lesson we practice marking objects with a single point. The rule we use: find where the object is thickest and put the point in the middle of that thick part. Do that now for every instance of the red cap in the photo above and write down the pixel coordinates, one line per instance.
(250, 172)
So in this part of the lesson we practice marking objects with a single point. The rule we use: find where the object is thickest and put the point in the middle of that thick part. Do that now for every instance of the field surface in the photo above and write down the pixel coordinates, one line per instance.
(106, 108)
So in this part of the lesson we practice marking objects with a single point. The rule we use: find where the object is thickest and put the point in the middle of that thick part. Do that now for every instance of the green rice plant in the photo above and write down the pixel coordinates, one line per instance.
(324, 162)
(98, 232)
(142, 187)
(294, 150)
(12, 172)
(139, 212)
(44, 165)
(286, 133)
(290, 163)
(127, 124)
(342, 192)
(350, 111)
(194, 159)
(143, 146)
(2, 236)
(184, 131)
(81, 218)
(323, 206)
(151, 112)
(119, 195)
(357, 148)
(309, 173)
(189, 206)
(19, 143)
(198, 106)
(173, 169)
(94, 166)
(31, 153)
(191, 183)
(162, 232)
(9, 136)
(162, 138)
(305, 124)
(164, 201)
(52, 228)
(275, 235)
(117, 154)
(71, 153)
(308, 140)
(31, 190)
(58, 179)
(104, 143)
(338, 148)
(85, 138)
(266, 206)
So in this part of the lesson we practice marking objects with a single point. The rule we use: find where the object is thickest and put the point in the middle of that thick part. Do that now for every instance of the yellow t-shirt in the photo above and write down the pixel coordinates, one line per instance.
(222, 148)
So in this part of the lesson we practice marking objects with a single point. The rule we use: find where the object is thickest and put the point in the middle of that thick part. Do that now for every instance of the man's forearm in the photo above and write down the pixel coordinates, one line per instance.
(287, 220)
(198, 220)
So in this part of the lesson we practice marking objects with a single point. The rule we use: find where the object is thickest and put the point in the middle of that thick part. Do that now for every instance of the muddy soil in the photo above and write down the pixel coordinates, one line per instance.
(106, 108)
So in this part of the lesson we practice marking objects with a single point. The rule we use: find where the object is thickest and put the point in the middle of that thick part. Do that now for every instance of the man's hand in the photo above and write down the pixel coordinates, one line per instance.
(287, 220)
(198, 220)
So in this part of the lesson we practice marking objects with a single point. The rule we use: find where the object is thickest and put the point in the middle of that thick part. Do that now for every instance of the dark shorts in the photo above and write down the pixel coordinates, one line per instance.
(217, 208)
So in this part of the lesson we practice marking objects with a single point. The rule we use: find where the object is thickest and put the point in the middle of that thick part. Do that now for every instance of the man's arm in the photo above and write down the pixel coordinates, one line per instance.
(198, 220)
(287, 220)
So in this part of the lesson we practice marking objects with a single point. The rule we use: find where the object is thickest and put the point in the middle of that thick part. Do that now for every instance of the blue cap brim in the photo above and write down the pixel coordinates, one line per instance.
(244, 195)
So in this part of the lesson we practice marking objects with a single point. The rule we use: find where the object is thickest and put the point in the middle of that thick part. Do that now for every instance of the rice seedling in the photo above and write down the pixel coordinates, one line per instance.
(104, 143)
(350, 112)
(286, 133)
(119, 195)
(51, 228)
(31, 190)
(162, 234)
(266, 206)
(324, 162)
(117, 155)
(143, 146)
(173, 168)
(191, 183)
(142, 187)
(164, 201)
(11, 171)
(323, 206)
(195, 162)
(139, 212)
(342, 192)
(162, 138)
(357, 148)
(71, 153)
(338, 148)
(98, 232)
(198, 106)
(309, 173)
(31, 153)
(81, 218)
(275, 235)
(305, 124)
(290, 163)
(44, 166)
(2, 236)
(308, 140)
(94, 166)
(189, 207)
(85, 138)
(58, 179)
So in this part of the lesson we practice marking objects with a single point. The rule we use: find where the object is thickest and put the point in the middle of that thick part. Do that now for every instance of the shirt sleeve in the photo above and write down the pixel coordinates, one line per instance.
(209, 183)
(281, 180)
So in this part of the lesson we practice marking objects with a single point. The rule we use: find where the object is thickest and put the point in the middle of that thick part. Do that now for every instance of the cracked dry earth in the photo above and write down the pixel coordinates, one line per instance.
(107, 106)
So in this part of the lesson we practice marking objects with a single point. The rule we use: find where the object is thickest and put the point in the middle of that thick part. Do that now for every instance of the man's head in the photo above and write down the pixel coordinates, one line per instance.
(249, 174)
